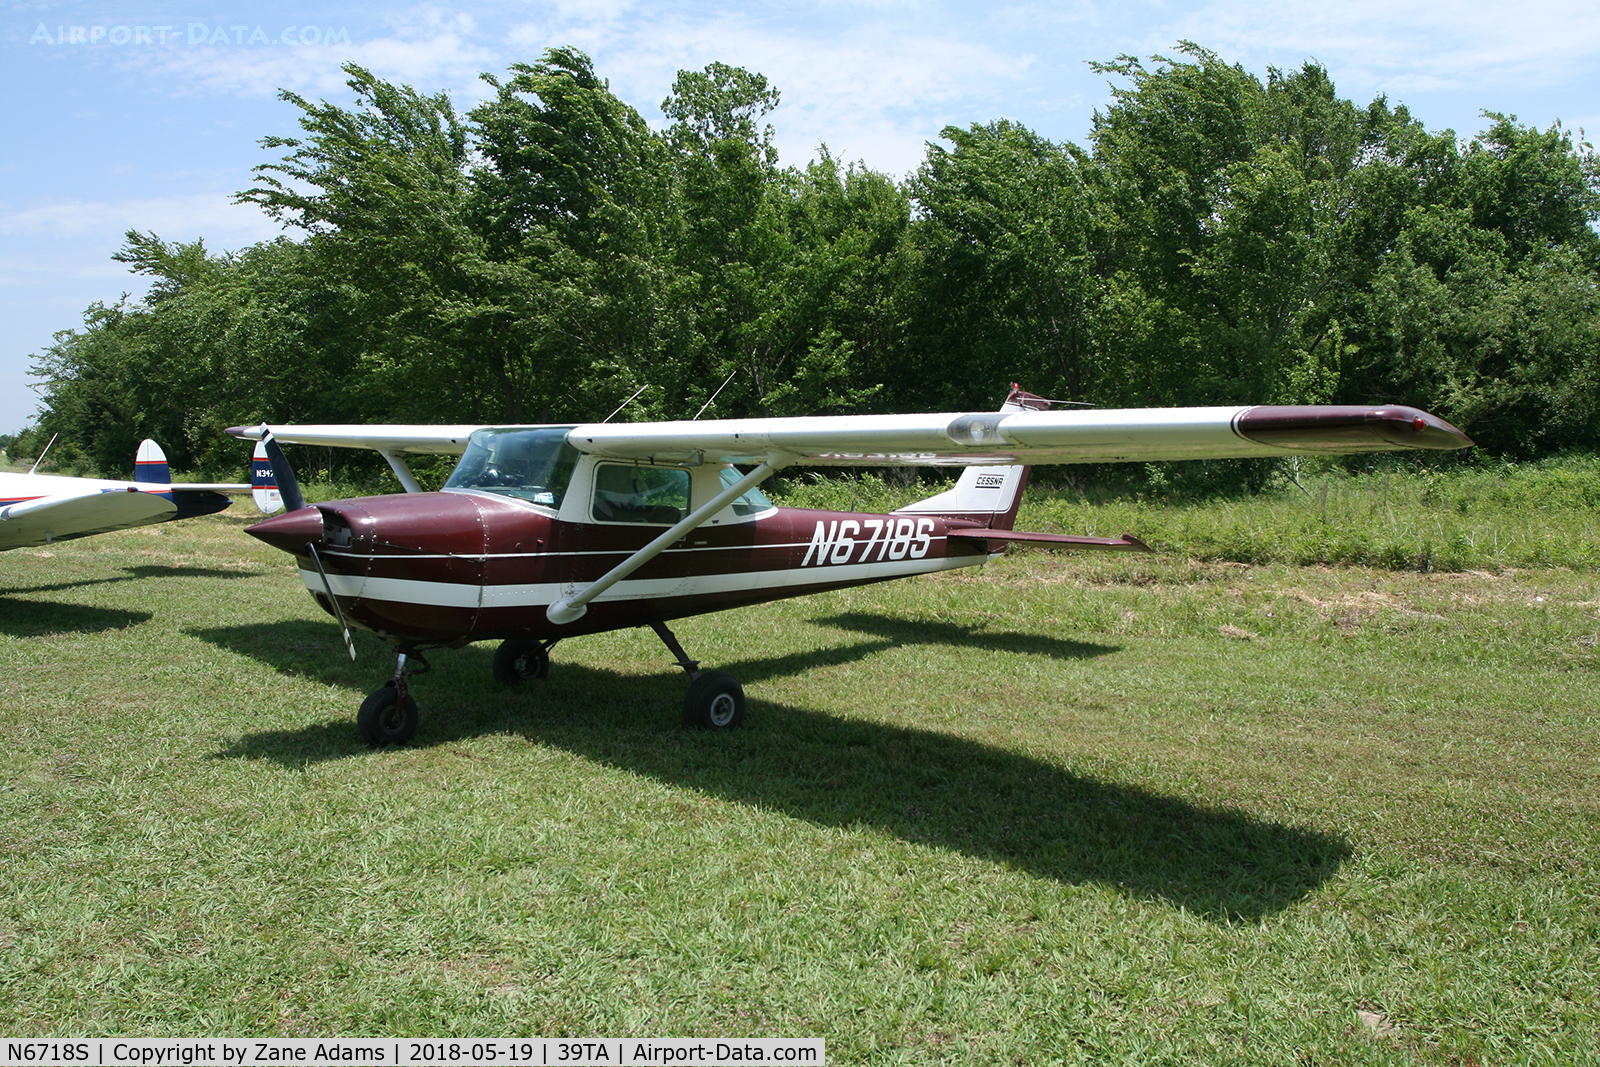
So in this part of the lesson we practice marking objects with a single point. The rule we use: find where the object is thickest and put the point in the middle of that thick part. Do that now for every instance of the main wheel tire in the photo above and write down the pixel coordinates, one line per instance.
(715, 702)
(384, 719)
(517, 661)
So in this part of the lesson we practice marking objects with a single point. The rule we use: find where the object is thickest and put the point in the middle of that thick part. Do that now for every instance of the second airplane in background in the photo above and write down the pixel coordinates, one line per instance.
(40, 509)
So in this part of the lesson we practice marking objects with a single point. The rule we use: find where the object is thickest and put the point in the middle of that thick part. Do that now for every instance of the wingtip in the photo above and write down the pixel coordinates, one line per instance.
(1349, 429)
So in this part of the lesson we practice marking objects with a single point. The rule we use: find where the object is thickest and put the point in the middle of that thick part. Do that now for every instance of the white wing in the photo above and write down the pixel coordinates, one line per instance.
(958, 439)
(59, 517)
(395, 439)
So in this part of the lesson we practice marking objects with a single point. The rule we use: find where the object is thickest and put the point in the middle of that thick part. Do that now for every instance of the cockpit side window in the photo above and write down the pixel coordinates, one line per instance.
(529, 464)
(656, 496)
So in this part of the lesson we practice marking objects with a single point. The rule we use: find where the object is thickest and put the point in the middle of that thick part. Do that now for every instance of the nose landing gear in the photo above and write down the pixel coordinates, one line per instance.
(389, 715)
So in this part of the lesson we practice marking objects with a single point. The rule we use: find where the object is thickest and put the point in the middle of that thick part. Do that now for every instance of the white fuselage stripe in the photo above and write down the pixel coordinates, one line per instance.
(483, 558)
(463, 595)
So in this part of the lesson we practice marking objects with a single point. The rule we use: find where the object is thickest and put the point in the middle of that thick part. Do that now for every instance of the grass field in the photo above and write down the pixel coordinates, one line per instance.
(1064, 809)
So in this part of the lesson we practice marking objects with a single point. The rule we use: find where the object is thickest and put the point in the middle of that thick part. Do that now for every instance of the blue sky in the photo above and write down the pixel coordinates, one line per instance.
(147, 115)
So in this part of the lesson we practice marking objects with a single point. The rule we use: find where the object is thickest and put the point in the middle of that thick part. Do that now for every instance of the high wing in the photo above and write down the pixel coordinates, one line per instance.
(83, 511)
(952, 439)
(393, 442)
(407, 440)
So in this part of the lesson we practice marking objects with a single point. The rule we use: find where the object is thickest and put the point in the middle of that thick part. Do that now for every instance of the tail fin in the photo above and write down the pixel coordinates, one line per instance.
(150, 467)
(263, 483)
(989, 496)
(150, 464)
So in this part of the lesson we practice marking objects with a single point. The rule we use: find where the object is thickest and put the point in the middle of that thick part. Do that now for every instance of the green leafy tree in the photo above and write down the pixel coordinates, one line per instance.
(733, 241)
(1224, 199)
(574, 200)
(1226, 239)
(381, 191)
(1481, 305)
(218, 340)
(1001, 283)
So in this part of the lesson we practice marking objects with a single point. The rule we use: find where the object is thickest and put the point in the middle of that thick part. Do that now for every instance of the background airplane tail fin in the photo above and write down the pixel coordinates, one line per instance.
(263, 482)
(150, 468)
(150, 464)
(988, 496)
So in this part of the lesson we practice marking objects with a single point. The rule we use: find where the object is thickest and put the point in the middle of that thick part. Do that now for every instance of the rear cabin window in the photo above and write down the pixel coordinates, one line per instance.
(655, 496)
(753, 502)
(529, 464)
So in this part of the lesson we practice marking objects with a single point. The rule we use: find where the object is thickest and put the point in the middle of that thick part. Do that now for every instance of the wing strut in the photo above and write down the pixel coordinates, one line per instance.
(397, 463)
(571, 608)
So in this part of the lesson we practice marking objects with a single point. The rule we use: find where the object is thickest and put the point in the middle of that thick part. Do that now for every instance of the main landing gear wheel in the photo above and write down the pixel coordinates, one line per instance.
(517, 661)
(386, 719)
(715, 702)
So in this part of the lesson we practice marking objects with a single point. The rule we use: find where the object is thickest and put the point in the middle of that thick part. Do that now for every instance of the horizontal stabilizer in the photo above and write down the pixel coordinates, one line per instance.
(1125, 543)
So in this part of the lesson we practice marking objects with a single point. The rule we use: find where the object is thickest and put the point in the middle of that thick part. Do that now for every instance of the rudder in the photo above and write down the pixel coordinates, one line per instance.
(263, 482)
(150, 464)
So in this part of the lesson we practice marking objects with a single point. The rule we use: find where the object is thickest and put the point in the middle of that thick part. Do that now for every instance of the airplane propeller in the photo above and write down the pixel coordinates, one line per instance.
(288, 486)
(294, 500)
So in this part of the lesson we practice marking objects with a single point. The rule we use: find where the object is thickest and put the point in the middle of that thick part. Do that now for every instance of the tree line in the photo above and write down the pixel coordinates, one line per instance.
(1223, 239)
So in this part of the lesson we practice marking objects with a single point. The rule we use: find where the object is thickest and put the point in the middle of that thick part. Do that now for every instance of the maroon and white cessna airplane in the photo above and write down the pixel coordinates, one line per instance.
(547, 532)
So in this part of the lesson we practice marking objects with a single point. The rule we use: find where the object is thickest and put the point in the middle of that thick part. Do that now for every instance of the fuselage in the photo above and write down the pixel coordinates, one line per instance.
(16, 488)
(459, 566)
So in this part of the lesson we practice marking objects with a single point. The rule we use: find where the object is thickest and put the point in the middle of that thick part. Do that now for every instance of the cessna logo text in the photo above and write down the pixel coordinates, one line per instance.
(878, 539)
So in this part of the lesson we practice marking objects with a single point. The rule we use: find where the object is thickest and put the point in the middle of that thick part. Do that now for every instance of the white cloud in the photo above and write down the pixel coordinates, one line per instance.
(223, 223)
(428, 49)
(1422, 46)
(874, 88)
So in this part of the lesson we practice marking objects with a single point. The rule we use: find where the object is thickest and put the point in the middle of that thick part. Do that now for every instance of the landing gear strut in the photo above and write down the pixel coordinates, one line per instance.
(715, 700)
(389, 715)
(517, 661)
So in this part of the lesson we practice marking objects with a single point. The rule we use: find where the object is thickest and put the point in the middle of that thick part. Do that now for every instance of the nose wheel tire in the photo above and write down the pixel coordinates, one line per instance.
(517, 661)
(385, 719)
(715, 702)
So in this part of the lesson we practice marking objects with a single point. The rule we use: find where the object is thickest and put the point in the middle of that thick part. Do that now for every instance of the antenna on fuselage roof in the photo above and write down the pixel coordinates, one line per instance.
(720, 388)
(626, 402)
(1015, 388)
(41, 454)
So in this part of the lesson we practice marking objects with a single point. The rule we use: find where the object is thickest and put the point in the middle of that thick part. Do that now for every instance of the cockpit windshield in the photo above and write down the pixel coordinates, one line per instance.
(530, 464)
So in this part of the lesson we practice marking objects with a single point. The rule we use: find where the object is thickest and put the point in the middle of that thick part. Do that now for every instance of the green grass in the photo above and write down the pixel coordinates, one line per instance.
(1065, 809)
(1399, 516)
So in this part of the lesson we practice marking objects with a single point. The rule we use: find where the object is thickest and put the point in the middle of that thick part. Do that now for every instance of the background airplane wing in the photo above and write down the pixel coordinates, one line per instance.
(957, 439)
(61, 517)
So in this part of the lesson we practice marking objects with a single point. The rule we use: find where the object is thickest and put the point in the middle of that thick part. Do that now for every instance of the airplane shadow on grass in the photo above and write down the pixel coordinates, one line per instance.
(919, 785)
(36, 618)
(134, 574)
(21, 617)
(902, 631)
